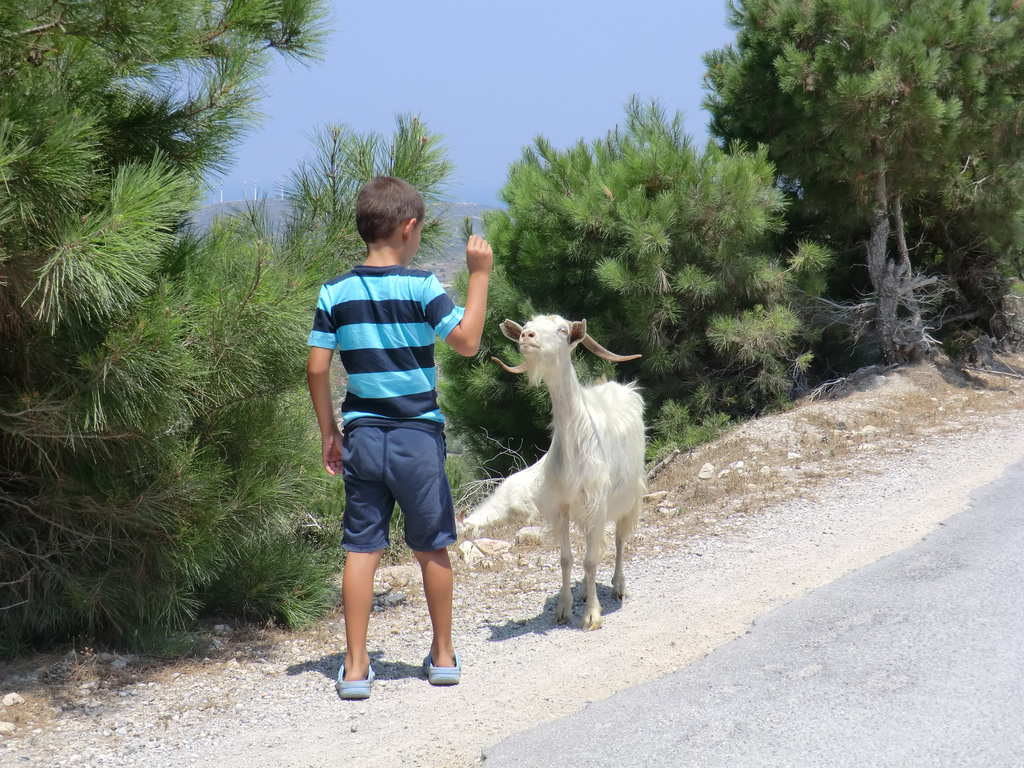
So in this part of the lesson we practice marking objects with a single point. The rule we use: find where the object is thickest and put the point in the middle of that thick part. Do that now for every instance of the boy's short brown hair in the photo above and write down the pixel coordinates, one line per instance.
(383, 204)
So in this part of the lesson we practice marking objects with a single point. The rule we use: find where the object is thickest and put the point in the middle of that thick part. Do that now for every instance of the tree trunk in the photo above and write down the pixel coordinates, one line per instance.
(902, 338)
(881, 270)
(912, 330)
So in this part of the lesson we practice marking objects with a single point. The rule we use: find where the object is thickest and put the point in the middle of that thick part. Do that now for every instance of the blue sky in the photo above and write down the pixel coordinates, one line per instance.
(488, 76)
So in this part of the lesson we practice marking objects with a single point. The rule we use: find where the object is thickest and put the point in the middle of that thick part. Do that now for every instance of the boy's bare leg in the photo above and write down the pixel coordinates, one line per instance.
(437, 587)
(357, 599)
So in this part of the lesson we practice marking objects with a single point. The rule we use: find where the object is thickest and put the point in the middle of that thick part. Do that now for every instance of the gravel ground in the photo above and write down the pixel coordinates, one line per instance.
(696, 577)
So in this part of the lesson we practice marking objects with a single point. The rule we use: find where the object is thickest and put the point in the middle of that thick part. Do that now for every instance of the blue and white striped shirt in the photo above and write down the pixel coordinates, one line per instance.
(383, 319)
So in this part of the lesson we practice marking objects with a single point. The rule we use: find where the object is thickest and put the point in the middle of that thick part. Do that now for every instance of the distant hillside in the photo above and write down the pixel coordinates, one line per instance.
(446, 266)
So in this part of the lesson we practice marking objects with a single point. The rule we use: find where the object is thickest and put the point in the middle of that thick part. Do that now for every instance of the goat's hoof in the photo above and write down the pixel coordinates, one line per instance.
(592, 621)
(619, 590)
(563, 613)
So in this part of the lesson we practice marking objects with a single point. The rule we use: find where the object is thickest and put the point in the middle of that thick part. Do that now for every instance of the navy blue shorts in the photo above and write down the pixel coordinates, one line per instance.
(387, 461)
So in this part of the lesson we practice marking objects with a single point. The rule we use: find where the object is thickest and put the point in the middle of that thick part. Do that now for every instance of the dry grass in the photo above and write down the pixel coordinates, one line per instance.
(819, 440)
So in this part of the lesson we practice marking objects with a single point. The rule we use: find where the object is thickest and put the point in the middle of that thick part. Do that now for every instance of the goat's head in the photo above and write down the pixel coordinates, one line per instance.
(547, 341)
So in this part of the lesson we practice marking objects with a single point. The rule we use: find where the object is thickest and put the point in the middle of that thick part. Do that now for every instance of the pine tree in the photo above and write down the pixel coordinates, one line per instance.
(891, 123)
(156, 450)
(665, 251)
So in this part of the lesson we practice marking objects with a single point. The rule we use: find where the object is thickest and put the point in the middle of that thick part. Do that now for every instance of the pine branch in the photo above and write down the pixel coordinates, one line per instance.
(58, 22)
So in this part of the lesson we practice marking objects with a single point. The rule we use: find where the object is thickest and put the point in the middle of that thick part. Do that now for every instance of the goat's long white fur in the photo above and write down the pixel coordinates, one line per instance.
(592, 474)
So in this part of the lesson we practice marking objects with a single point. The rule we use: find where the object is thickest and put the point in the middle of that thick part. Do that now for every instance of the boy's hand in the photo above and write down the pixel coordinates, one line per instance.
(479, 257)
(332, 452)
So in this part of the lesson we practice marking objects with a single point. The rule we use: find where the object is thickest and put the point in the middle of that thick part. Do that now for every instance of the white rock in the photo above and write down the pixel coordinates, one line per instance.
(738, 465)
(725, 473)
(793, 455)
(754, 448)
(655, 495)
(12, 700)
(7, 727)
(868, 430)
(706, 472)
(398, 576)
(493, 547)
(470, 553)
(766, 470)
(222, 629)
(531, 534)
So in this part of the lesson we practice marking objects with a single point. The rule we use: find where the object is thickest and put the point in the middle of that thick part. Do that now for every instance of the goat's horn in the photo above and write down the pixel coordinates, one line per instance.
(597, 349)
(521, 368)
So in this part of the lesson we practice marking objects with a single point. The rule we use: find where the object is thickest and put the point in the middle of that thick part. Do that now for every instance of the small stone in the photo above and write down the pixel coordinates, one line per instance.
(492, 547)
(755, 448)
(106, 658)
(655, 495)
(13, 700)
(738, 465)
(6, 727)
(470, 553)
(222, 629)
(391, 599)
(119, 663)
(766, 470)
(233, 663)
(706, 472)
(724, 473)
(868, 430)
(216, 643)
(398, 576)
(793, 455)
(530, 534)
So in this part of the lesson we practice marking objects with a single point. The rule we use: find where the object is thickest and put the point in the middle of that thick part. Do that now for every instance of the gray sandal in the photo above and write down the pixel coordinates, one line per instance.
(354, 689)
(443, 675)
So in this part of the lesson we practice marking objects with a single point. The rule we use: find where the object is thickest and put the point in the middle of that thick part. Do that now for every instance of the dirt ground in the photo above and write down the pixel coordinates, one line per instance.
(791, 502)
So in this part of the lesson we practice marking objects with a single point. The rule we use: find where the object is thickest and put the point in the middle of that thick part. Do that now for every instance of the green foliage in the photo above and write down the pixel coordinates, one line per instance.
(665, 251)
(925, 95)
(157, 452)
(324, 189)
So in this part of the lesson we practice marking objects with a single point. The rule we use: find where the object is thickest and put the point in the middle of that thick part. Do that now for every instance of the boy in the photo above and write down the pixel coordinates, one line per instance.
(383, 316)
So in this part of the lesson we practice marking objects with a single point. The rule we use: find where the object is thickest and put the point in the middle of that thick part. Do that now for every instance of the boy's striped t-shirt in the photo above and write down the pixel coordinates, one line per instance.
(383, 320)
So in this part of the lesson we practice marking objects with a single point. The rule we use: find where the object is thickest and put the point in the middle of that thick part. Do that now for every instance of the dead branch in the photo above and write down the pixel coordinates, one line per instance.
(662, 464)
(994, 373)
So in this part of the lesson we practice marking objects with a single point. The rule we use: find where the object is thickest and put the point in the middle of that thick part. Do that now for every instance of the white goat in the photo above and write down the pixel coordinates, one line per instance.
(593, 473)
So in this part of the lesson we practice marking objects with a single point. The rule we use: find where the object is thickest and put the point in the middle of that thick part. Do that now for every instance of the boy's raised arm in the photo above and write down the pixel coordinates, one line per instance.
(465, 337)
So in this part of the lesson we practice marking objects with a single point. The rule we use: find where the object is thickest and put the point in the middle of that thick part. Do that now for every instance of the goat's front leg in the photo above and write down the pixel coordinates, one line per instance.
(623, 527)
(563, 611)
(595, 549)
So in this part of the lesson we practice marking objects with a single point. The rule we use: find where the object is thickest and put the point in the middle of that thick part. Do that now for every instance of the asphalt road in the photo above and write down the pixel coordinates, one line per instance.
(916, 660)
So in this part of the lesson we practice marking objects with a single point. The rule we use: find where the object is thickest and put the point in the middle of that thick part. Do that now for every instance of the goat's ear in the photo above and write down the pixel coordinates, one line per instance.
(577, 332)
(511, 329)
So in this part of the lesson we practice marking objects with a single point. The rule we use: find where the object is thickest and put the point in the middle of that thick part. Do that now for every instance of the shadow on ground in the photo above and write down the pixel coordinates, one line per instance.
(329, 665)
(544, 622)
